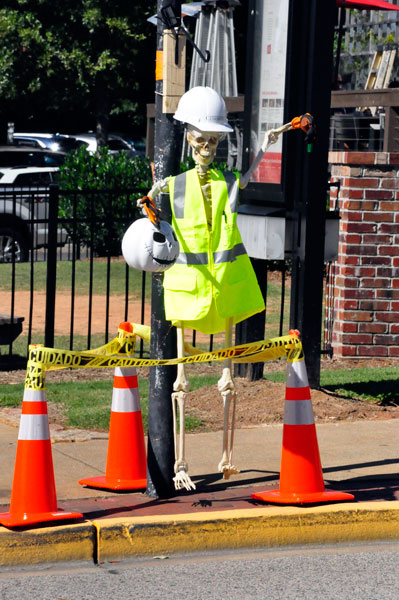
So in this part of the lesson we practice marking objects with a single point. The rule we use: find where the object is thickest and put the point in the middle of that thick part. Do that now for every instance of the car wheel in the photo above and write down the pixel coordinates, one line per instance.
(13, 244)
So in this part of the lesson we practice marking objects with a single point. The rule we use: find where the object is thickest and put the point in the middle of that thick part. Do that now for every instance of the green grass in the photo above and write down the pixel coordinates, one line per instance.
(87, 404)
(82, 277)
(379, 385)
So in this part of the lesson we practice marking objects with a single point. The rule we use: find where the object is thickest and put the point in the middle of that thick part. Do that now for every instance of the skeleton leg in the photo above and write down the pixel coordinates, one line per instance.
(226, 388)
(180, 389)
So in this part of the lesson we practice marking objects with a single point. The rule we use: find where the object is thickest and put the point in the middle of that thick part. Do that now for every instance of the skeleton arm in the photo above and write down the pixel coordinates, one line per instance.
(271, 137)
(305, 123)
(157, 188)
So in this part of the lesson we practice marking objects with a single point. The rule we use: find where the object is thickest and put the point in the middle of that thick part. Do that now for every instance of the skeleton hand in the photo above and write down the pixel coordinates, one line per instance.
(149, 210)
(271, 137)
(182, 479)
(160, 186)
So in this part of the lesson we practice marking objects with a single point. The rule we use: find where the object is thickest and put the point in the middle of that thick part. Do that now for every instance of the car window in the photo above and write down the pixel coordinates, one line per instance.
(117, 145)
(68, 144)
(53, 160)
(30, 159)
(12, 159)
(32, 179)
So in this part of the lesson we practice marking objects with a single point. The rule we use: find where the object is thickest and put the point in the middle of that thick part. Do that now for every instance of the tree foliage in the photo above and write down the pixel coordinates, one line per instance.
(110, 185)
(84, 54)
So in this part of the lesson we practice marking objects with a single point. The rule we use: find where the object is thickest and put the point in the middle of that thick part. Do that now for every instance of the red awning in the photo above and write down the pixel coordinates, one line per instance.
(367, 4)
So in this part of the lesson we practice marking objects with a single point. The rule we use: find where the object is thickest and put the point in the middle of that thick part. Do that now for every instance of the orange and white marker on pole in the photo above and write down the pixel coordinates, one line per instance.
(33, 496)
(126, 467)
(301, 475)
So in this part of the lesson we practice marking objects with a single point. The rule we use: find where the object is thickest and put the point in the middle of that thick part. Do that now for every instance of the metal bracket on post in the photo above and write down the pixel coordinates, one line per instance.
(175, 22)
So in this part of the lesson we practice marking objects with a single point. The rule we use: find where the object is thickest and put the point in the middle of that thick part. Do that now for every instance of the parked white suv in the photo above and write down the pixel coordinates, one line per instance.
(54, 142)
(24, 194)
(115, 143)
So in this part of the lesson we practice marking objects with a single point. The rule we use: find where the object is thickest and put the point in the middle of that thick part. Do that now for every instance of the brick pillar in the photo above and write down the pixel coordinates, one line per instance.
(366, 297)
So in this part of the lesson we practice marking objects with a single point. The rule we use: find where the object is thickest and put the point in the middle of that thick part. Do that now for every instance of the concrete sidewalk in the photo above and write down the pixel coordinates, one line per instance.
(361, 458)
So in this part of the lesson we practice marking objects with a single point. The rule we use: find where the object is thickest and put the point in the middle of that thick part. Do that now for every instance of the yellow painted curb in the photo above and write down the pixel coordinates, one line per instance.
(47, 544)
(270, 526)
(259, 527)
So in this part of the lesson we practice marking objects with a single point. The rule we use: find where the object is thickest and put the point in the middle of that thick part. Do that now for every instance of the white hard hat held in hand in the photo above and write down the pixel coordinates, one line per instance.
(147, 247)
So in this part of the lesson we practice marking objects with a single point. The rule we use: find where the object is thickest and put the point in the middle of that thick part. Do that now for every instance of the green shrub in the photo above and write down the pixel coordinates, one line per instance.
(110, 185)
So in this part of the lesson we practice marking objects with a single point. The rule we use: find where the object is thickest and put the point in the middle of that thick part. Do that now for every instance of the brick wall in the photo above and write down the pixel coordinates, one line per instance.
(366, 295)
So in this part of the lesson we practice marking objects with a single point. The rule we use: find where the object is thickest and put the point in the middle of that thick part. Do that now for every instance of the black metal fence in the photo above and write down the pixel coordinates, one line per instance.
(64, 283)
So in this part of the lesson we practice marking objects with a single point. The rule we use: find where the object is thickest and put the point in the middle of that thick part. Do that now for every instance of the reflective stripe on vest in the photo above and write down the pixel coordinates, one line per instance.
(192, 258)
(201, 258)
(179, 195)
(229, 255)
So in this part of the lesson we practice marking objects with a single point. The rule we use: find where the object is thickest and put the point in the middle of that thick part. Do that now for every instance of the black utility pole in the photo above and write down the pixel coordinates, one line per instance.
(163, 336)
(309, 79)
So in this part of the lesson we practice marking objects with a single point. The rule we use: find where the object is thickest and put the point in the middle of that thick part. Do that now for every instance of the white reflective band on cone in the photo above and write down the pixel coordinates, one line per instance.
(34, 427)
(296, 374)
(298, 412)
(125, 371)
(34, 396)
(125, 400)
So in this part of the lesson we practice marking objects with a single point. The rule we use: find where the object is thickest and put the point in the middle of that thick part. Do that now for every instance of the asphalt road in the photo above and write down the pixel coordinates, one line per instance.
(352, 572)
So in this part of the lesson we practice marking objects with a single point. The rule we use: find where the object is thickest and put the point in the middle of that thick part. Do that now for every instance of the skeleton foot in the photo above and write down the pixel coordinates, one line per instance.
(182, 478)
(227, 469)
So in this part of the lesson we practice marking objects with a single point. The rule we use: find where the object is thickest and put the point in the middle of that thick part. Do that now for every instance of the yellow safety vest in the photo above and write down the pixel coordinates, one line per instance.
(213, 278)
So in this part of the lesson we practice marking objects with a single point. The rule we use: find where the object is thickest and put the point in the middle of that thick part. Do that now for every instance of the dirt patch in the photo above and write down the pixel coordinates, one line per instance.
(82, 308)
(63, 312)
(262, 402)
(259, 402)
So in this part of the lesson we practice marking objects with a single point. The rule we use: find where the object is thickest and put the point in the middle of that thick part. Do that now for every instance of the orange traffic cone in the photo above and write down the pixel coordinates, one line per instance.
(126, 467)
(301, 476)
(33, 496)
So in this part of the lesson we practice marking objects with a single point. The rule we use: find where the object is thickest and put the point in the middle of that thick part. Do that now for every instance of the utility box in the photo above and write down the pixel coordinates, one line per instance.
(331, 237)
(263, 231)
(267, 234)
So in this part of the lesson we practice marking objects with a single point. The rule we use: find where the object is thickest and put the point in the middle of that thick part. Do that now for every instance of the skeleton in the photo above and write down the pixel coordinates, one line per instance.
(204, 145)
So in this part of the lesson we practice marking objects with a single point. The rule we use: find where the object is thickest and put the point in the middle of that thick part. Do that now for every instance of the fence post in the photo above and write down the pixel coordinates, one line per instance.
(253, 328)
(51, 265)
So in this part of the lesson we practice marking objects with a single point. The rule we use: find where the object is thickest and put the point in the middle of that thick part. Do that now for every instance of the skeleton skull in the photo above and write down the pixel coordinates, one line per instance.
(203, 144)
(149, 248)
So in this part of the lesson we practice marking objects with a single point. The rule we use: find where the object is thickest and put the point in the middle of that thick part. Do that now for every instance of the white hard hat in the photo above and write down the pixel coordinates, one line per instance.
(203, 108)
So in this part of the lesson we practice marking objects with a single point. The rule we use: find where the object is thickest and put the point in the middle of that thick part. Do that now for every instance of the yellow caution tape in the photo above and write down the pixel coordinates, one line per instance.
(118, 353)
